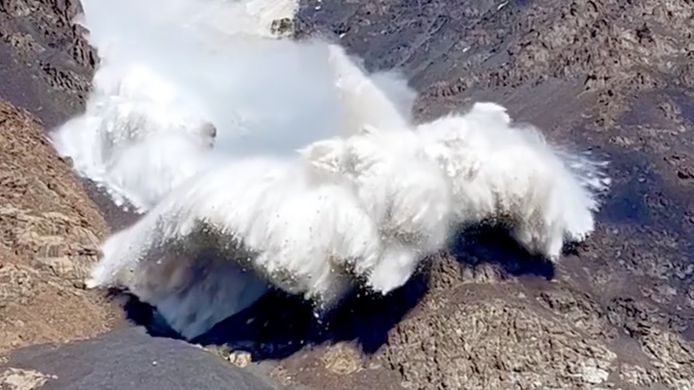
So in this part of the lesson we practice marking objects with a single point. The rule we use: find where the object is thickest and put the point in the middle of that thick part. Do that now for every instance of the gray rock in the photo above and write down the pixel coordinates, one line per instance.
(46, 63)
(125, 359)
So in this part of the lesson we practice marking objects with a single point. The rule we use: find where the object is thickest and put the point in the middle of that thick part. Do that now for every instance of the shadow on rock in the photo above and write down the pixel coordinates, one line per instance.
(494, 245)
(279, 325)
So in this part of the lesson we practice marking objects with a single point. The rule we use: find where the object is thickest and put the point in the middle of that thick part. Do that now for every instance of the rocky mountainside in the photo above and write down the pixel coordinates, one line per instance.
(49, 227)
(45, 62)
(49, 236)
(615, 77)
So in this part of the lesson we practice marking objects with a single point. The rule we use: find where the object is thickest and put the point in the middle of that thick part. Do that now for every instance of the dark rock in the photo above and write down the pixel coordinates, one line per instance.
(126, 359)
(49, 235)
(46, 64)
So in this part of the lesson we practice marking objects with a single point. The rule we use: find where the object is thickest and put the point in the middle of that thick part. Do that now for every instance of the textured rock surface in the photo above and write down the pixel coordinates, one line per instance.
(126, 359)
(45, 63)
(49, 235)
(49, 227)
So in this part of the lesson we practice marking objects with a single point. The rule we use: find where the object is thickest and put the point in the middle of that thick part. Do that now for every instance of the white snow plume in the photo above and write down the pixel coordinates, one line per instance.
(382, 100)
(400, 188)
(499, 171)
(462, 170)
(265, 215)
(172, 70)
(134, 133)
(267, 162)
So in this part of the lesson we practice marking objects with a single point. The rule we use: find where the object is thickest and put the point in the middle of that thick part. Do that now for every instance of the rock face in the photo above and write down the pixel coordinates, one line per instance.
(127, 359)
(45, 62)
(550, 337)
(49, 227)
(49, 235)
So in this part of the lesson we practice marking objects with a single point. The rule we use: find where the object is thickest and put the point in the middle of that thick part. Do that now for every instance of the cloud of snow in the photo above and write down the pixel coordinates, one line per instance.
(260, 161)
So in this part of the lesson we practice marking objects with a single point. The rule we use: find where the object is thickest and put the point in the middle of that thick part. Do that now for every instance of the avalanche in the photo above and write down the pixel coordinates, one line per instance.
(261, 162)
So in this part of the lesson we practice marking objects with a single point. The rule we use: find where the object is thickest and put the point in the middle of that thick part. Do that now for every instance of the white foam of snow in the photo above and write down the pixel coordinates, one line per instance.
(269, 162)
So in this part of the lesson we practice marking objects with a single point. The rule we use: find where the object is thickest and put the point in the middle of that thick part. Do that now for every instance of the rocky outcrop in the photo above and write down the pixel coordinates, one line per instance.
(46, 63)
(49, 236)
(553, 337)
(479, 327)
(127, 359)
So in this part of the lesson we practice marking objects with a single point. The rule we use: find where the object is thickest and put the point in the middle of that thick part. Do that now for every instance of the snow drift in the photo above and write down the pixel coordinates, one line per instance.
(269, 163)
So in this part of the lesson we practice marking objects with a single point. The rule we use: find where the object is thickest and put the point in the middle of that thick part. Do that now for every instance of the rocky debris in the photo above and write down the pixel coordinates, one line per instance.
(282, 27)
(125, 359)
(660, 339)
(513, 334)
(49, 236)
(342, 359)
(239, 358)
(16, 379)
(578, 309)
(559, 339)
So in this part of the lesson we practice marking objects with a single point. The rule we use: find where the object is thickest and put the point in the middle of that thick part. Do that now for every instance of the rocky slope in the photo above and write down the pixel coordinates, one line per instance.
(613, 76)
(45, 63)
(49, 235)
(49, 227)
